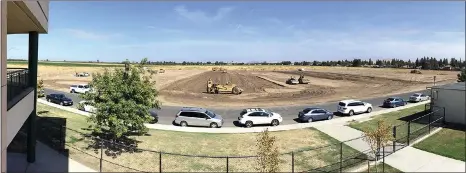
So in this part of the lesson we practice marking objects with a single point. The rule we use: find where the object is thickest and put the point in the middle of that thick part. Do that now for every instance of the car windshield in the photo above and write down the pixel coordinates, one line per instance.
(211, 114)
(60, 95)
(416, 95)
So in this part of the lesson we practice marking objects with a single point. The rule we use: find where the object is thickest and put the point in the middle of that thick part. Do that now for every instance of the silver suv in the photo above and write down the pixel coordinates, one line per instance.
(198, 117)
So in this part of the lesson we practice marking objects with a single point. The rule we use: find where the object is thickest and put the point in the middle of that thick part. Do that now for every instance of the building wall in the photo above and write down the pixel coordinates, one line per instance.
(454, 103)
(17, 116)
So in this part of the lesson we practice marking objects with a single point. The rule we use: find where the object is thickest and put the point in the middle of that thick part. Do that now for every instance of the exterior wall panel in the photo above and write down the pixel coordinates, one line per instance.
(17, 116)
(454, 103)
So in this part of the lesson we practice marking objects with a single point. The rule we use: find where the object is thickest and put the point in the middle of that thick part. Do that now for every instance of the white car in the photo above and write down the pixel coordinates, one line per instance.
(418, 97)
(79, 88)
(351, 107)
(252, 116)
(86, 107)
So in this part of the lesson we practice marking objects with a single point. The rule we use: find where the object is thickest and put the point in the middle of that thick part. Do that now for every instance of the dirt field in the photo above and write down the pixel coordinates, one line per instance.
(264, 85)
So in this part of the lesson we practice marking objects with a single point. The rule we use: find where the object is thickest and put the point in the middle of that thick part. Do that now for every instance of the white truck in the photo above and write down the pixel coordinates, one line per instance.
(79, 88)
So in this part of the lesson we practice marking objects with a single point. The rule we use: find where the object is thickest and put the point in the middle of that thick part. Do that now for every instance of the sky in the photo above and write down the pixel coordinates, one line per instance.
(248, 31)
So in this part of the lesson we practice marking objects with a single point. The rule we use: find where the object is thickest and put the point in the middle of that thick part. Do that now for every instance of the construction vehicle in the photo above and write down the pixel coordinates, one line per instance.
(292, 81)
(215, 68)
(161, 71)
(303, 80)
(215, 88)
(416, 71)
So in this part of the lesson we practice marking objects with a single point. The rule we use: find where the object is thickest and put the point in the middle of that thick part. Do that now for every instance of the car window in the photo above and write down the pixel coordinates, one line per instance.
(201, 115)
(243, 112)
(185, 114)
(80, 86)
(319, 111)
(391, 99)
(60, 95)
(264, 114)
(211, 114)
(307, 110)
(416, 95)
(360, 103)
(342, 104)
(353, 104)
(255, 114)
(73, 86)
(86, 86)
(422, 95)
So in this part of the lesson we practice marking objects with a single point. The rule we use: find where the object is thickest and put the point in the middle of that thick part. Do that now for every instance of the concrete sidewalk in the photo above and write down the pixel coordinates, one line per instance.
(408, 159)
(47, 160)
(335, 121)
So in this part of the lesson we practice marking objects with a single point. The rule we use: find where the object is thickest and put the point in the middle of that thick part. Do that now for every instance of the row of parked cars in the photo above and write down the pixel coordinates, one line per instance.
(192, 116)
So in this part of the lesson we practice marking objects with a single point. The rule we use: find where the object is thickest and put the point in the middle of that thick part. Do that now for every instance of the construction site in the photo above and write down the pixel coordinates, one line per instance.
(239, 86)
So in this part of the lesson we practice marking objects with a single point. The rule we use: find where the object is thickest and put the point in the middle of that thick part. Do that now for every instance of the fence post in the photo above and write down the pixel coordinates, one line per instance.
(383, 159)
(160, 162)
(292, 161)
(101, 153)
(227, 164)
(409, 130)
(443, 121)
(341, 156)
(430, 120)
(394, 138)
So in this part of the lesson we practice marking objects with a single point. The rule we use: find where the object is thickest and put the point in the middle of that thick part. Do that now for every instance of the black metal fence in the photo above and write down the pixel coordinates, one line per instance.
(417, 126)
(17, 82)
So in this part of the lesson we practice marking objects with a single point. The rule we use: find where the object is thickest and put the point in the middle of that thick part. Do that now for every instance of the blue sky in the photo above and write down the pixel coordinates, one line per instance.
(248, 31)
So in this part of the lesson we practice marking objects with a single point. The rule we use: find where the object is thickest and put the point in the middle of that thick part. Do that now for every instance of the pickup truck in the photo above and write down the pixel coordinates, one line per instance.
(79, 88)
(59, 99)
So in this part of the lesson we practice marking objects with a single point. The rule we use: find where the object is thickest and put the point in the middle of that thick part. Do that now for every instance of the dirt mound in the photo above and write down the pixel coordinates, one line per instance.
(197, 83)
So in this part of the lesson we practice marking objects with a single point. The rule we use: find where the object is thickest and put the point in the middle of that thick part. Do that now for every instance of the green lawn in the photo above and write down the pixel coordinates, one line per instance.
(393, 119)
(447, 142)
(387, 168)
(302, 142)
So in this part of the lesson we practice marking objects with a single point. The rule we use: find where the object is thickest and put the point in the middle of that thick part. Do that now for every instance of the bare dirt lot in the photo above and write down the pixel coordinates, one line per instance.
(264, 85)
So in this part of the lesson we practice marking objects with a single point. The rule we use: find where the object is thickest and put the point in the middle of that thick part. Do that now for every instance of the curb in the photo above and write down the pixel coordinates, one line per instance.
(340, 121)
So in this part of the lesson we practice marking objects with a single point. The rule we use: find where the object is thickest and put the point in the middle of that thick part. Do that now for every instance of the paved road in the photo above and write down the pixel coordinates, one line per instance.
(289, 113)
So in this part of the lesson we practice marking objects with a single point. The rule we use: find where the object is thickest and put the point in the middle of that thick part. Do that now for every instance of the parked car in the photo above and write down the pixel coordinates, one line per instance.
(394, 102)
(314, 114)
(253, 116)
(59, 99)
(351, 107)
(79, 88)
(418, 97)
(154, 114)
(198, 117)
(85, 106)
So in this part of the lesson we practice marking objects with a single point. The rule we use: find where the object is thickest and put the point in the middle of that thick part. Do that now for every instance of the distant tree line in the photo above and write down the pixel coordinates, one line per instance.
(427, 63)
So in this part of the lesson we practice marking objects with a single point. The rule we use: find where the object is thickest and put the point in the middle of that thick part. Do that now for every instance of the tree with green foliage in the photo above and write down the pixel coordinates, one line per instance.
(40, 88)
(462, 75)
(268, 155)
(122, 98)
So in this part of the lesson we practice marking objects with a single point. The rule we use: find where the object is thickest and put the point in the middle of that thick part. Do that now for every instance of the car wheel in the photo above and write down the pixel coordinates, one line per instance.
(72, 91)
(248, 124)
(309, 120)
(213, 125)
(61, 103)
(329, 117)
(351, 113)
(183, 124)
(275, 123)
(48, 100)
(369, 110)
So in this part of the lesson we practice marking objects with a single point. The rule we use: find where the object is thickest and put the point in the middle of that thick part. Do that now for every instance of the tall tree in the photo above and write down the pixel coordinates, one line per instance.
(122, 98)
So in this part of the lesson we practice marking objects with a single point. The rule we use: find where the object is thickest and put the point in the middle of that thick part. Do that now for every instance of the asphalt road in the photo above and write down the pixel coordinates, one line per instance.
(230, 115)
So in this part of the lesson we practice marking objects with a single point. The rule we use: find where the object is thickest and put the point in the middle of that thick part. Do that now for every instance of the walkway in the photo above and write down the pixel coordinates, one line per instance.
(47, 160)
(408, 159)
(334, 121)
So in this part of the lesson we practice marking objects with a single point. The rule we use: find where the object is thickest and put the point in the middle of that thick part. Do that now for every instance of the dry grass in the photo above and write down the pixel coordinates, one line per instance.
(200, 144)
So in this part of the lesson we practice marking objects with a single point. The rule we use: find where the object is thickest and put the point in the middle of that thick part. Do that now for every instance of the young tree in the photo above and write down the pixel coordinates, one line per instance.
(267, 160)
(40, 88)
(462, 75)
(122, 98)
(378, 138)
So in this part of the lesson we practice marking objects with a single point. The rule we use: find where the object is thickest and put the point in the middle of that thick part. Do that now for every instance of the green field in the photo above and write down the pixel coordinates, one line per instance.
(447, 142)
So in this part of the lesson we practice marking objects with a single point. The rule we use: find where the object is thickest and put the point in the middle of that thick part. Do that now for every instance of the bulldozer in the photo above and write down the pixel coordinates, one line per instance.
(292, 81)
(303, 80)
(215, 88)
(161, 70)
